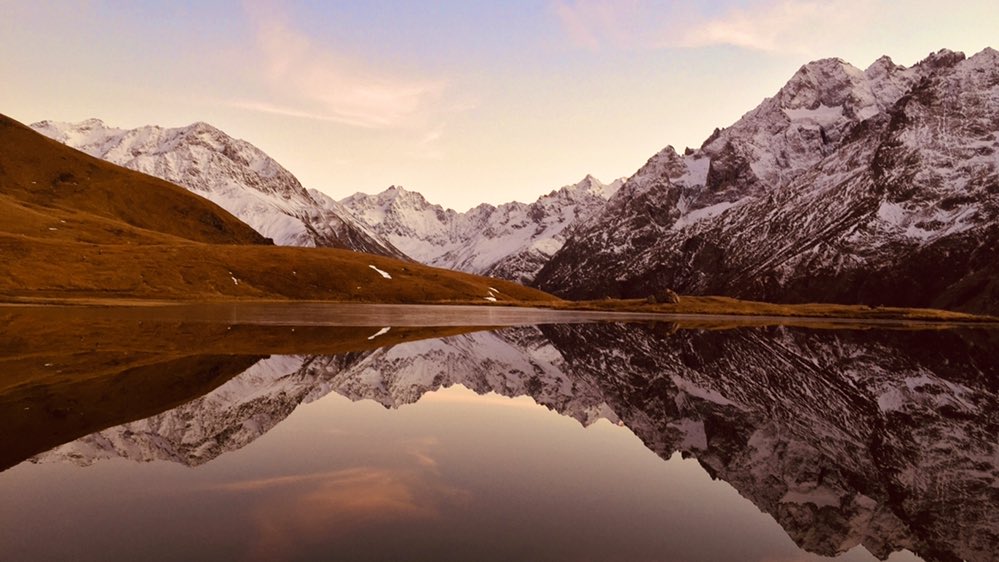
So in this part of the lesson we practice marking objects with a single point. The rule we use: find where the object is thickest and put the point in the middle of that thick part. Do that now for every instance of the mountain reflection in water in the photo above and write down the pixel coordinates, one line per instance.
(880, 438)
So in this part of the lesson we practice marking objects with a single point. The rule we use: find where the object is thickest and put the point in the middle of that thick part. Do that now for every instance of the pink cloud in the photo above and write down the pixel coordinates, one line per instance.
(299, 78)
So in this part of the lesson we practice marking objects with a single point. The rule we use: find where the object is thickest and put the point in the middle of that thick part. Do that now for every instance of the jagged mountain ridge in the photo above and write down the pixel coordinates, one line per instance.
(511, 241)
(902, 456)
(878, 186)
(231, 173)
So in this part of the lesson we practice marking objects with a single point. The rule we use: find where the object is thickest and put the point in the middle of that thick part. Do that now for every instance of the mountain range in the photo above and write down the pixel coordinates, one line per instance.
(877, 186)
(511, 241)
(75, 226)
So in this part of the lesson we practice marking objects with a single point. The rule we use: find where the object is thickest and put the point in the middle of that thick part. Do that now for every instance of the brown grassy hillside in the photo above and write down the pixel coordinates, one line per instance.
(72, 226)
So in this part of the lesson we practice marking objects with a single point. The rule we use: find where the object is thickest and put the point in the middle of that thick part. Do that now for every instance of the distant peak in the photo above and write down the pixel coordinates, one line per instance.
(91, 123)
(202, 127)
(988, 53)
(670, 153)
(884, 61)
(401, 194)
(823, 64)
(589, 182)
(942, 58)
(828, 61)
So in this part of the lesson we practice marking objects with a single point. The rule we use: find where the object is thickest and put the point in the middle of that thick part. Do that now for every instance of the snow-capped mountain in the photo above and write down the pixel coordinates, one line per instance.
(232, 173)
(511, 241)
(902, 455)
(877, 186)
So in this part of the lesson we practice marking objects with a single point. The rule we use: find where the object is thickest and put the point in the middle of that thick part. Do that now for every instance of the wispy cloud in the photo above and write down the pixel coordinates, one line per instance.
(298, 78)
(594, 24)
(793, 26)
(286, 511)
(796, 26)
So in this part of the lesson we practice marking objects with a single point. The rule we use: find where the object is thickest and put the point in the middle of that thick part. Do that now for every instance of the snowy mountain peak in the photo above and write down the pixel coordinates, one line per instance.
(512, 240)
(592, 186)
(828, 83)
(92, 123)
(202, 127)
(944, 58)
(230, 172)
(987, 58)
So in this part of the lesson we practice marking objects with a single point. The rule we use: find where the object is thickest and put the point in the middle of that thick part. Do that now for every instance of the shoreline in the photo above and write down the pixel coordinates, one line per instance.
(709, 312)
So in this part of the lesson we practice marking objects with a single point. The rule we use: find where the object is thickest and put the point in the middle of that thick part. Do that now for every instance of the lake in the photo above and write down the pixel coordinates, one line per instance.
(358, 432)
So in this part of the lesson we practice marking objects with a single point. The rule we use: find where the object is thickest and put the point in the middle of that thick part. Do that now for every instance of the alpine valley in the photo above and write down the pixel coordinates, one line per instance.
(512, 241)
(876, 186)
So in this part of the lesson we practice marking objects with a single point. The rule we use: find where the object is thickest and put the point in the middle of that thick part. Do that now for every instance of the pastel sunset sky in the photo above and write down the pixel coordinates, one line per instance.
(465, 101)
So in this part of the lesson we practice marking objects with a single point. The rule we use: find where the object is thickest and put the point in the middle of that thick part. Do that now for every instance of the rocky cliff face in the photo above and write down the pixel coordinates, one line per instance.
(881, 439)
(512, 241)
(232, 173)
(876, 186)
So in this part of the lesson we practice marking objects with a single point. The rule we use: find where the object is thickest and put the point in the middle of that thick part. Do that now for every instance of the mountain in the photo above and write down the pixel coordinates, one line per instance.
(511, 241)
(229, 172)
(876, 186)
(903, 456)
(74, 226)
(53, 193)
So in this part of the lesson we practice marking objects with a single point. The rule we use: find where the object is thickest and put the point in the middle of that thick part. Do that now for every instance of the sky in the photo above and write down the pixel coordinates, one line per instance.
(466, 101)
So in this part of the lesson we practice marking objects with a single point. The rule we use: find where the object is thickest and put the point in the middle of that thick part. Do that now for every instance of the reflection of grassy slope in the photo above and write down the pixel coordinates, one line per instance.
(38, 416)
(730, 306)
(92, 371)
(72, 226)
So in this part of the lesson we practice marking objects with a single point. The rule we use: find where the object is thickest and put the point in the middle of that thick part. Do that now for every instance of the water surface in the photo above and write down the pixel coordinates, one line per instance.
(315, 434)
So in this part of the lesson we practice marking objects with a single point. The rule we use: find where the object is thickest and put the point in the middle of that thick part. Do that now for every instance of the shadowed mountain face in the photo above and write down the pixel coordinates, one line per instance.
(874, 438)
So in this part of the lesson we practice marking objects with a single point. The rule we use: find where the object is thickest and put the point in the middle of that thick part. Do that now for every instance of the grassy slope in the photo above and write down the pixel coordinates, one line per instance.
(42, 269)
(72, 226)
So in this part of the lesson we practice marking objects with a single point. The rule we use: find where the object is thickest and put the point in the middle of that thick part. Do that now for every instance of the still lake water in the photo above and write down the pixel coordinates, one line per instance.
(313, 433)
